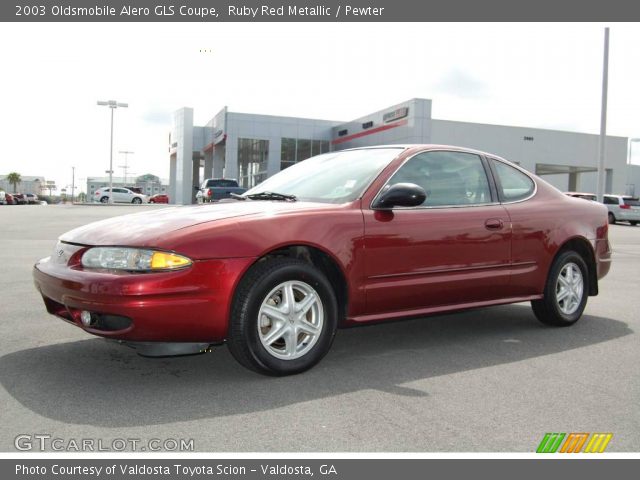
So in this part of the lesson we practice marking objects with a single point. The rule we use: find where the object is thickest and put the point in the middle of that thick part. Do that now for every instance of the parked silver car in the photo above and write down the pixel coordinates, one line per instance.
(623, 208)
(120, 195)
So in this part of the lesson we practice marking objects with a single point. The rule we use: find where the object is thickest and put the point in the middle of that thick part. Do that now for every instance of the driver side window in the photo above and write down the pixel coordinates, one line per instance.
(448, 178)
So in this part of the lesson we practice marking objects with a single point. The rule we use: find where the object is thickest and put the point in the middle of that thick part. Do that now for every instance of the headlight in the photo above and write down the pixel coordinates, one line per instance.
(132, 259)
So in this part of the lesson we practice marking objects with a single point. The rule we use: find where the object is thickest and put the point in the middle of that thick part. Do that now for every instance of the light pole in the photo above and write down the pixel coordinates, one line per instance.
(112, 104)
(603, 119)
(73, 182)
(630, 191)
(125, 167)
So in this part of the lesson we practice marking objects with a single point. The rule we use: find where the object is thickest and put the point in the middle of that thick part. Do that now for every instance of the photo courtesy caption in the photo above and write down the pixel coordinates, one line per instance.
(191, 471)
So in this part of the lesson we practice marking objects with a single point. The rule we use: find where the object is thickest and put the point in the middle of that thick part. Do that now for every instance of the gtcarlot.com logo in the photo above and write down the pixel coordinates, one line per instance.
(573, 443)
(45, 443)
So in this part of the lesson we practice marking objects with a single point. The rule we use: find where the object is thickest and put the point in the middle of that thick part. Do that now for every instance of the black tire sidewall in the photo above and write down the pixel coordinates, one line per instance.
(251, 306)
(550, 294)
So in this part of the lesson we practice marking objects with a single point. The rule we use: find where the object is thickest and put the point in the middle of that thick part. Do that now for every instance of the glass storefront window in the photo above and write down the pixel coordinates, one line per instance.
(287, 153)
(252, 161)
(304, 149)
(296, 150)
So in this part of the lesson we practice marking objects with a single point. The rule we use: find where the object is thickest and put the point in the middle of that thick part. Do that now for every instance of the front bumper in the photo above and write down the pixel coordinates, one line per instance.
(190, 305)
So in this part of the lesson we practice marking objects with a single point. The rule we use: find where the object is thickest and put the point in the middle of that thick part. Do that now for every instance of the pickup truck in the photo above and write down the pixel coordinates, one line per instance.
(215, 189)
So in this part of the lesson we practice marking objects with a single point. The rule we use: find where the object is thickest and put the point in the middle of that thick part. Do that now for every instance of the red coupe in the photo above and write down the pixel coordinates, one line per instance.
(344, 238)
(159, 198)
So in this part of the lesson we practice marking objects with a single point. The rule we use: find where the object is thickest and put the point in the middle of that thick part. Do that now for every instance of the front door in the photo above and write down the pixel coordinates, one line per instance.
(454, 248)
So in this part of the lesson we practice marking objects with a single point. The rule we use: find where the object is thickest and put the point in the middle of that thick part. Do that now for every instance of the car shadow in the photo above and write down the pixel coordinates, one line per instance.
(100, 383)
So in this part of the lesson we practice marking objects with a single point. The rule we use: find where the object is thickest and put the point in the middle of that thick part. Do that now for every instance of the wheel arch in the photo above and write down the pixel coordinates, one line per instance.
(583, 247)
(319, 258)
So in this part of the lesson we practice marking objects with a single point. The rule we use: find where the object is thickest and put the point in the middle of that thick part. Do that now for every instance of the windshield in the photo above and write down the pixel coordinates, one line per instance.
(335, 177)
(221, 183)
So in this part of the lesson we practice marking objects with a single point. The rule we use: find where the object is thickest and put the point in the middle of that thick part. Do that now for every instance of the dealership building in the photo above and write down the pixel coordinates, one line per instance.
(252, 147)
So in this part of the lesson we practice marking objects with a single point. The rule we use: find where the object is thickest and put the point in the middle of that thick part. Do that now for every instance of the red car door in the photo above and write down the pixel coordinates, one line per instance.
(455, 248)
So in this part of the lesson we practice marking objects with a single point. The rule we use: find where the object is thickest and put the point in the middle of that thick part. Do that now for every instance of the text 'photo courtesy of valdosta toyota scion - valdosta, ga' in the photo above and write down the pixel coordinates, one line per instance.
(336, 240)
(178, 469)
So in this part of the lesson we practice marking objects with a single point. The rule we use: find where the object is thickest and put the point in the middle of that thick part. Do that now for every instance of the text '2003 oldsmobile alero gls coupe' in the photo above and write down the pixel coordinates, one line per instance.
(344, 238)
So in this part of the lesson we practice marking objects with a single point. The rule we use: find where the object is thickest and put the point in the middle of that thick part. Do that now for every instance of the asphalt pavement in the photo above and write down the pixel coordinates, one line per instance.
(487, 380)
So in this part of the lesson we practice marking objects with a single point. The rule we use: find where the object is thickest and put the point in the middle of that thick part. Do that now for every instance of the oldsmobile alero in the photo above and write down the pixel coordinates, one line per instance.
(344, 238)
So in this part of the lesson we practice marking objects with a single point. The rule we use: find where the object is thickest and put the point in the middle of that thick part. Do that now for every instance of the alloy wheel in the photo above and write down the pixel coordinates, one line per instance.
(569, 288)
(290, 320)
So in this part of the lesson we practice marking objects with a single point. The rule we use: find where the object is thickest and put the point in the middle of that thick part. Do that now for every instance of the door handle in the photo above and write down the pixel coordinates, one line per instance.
(493, 224)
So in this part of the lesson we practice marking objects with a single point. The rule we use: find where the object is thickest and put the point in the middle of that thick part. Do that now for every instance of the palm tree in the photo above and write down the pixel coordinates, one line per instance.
(14, 179)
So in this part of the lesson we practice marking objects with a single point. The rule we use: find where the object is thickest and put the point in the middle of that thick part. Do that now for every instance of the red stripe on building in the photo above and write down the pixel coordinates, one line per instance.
(368, 132)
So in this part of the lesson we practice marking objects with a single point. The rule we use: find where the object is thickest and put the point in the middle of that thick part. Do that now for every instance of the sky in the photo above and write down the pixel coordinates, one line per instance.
(535, 75)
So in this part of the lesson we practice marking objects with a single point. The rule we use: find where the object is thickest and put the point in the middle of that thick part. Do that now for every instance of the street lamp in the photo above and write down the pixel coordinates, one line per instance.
(112, 104)
(73, 182)
(125, 167)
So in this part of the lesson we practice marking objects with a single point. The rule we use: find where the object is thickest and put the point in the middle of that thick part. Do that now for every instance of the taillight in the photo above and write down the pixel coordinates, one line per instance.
(210, 193)
(97, 193)
(625, 207)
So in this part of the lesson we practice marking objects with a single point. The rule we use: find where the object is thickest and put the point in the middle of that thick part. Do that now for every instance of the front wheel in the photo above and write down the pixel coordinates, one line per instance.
(565, 293)
(633, 223)
(284, 317)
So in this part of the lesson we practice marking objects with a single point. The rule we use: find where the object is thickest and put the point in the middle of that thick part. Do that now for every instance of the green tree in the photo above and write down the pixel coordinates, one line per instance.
(14, 179)
(148, 177)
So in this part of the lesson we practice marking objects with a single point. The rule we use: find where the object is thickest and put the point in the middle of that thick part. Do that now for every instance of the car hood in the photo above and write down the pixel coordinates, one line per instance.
(144, 228)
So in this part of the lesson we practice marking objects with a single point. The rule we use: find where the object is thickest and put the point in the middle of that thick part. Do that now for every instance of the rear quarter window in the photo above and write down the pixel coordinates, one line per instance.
(513, 185)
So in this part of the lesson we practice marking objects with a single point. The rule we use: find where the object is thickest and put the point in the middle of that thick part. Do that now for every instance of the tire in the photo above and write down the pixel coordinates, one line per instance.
(104, 199)
(260, 312)
(136, 201)
(612, 218)
(567, 311)
(633, 223)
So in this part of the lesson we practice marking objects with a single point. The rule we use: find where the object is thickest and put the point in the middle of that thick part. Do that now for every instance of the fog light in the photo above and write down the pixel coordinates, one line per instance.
(85, 318)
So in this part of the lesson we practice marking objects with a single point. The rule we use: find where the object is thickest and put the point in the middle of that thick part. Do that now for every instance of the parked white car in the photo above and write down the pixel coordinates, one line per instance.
(623, 208)
(120, 195)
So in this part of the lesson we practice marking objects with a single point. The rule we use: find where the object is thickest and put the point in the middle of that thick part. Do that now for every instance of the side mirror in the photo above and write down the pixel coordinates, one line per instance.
(400, 195)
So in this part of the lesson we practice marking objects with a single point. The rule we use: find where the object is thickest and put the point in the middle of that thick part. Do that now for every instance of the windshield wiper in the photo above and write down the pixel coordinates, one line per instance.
(271, 196)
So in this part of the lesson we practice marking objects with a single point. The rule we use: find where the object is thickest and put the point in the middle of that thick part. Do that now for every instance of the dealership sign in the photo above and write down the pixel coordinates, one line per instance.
(219, 126)
(396, 114)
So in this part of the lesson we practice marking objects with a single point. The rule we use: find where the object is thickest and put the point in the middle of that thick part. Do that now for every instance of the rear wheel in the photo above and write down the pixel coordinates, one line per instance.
(137, 200)
(612, 218)
(284, 317)
(565, 293)
(104, 199)
(633, 222)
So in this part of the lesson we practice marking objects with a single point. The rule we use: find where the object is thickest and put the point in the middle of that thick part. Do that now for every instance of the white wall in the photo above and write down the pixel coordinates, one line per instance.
(548, 146)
